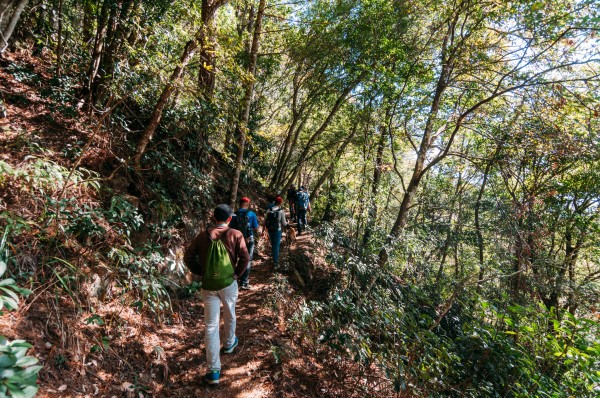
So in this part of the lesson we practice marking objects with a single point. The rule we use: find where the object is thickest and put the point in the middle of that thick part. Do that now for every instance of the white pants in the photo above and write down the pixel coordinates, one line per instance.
(212, 309)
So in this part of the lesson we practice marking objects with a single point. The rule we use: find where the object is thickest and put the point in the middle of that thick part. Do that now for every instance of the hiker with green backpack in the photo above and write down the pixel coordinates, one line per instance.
(219, 256)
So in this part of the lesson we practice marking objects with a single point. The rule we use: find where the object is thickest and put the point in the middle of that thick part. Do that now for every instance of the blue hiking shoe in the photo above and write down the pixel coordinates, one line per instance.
(229, 349)
(212, 377)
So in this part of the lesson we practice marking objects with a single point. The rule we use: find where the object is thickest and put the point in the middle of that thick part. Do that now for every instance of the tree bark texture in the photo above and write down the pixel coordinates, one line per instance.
(206, 38)
(10, 12)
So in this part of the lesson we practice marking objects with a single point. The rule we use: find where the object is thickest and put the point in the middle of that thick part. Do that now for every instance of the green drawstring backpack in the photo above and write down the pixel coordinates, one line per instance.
(218, 273)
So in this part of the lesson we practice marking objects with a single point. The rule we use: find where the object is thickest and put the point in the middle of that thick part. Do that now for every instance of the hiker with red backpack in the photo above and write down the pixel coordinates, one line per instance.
(245, 221)
(274, 223)
(302, 206)
(219, 256)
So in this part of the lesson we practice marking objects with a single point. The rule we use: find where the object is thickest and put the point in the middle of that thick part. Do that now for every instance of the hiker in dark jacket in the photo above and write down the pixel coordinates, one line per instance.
(291, 198)
(195, 259)
(245, 221)
(274, 223)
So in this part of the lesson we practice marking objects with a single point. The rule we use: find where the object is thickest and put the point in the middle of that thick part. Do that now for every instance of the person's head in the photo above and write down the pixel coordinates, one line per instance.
(302, 188)
(278, 200)
(271, 198)
(244, 202)
(292, 186)
(222, 213)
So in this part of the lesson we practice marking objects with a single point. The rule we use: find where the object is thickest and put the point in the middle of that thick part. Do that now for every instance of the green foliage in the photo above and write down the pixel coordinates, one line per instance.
(562, 351)
(457, 345)
(18, 372)
(502, 216)
(9, 290)
(108, 230)
(62, 93)
(43, 177)
(140, 273)
(123, 216)
(190, 289)
(23, 73)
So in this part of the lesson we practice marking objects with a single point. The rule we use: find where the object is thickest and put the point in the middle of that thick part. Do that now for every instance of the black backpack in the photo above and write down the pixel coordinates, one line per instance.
(273, 220)
(242, 223)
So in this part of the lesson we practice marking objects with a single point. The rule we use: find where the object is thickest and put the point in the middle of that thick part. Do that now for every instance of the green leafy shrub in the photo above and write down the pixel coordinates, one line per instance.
(9, 290)
(432, 344)
(23, 73)
(18, 372)
(139, 273)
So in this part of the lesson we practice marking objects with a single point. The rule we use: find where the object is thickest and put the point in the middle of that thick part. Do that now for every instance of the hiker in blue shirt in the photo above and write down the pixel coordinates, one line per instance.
(302, 206)
(245, 221)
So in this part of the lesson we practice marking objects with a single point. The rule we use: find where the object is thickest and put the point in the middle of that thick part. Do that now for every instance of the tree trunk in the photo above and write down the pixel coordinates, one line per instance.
(372, 211)
(12, 22)
(118, 31)
(515, 279)
(480, 246)
(206, 38)
(425, 146)
(5, 5)
(97, 50)
(288, 155)
(87, 23)
(288, 138)
(188, 53)
(59, 44)
(243, 125)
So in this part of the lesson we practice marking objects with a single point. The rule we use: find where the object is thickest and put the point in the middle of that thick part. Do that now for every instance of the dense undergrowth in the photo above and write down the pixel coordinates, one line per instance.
(381, 335)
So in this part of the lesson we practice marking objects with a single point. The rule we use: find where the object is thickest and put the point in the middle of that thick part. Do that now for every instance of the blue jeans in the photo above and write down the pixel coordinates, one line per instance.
(275, 243)
(301, 219)
(244, 278)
